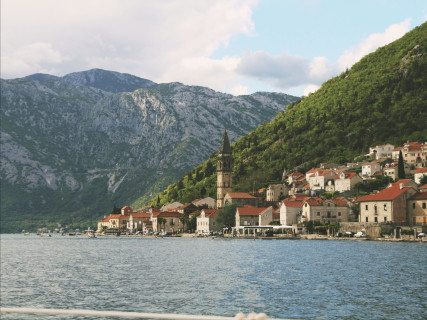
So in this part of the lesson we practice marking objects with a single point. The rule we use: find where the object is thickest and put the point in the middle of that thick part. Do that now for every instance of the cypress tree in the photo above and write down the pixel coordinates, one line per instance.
(400, 167)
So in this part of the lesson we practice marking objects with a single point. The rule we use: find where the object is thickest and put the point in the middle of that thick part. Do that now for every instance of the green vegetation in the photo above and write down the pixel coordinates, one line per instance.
(382, 99)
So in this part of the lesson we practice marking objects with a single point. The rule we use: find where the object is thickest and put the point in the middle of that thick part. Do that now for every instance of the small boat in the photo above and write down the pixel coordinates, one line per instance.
(90, 233)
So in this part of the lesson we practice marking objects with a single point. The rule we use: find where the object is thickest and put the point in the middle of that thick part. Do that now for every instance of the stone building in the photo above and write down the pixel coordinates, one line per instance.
(252, 216)
(224, 170)
(388, 205)
(240, 199)
(276, 191)
(417, 209)
(326, 211)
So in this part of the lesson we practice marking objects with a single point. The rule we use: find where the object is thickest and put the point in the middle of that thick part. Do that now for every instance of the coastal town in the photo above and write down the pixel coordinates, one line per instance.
(316, 202)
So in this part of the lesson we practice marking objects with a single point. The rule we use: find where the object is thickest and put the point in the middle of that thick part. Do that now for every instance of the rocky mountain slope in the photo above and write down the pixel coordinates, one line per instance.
(74, 146)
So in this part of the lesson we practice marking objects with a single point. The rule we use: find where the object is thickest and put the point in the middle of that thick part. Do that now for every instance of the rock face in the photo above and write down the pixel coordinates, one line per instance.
(72, 147)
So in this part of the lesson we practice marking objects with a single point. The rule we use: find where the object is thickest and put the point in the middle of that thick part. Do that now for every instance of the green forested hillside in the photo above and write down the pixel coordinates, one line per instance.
(381, 99)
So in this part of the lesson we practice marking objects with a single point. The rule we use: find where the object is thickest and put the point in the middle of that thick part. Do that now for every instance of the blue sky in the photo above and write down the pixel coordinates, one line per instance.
(232, 46)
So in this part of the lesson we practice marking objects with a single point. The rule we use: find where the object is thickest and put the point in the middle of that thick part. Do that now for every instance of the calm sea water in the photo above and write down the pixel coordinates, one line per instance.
(285, 279)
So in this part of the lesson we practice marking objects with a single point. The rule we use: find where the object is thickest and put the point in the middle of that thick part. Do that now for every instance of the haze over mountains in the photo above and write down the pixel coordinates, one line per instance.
(74, 146)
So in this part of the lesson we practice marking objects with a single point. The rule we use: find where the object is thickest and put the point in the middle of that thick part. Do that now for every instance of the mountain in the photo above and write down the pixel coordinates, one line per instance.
(72, 147)
(382, 99)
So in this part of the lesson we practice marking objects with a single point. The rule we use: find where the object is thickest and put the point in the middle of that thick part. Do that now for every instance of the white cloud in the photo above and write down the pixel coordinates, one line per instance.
(311, 88)
(163, 41)
(286, 71)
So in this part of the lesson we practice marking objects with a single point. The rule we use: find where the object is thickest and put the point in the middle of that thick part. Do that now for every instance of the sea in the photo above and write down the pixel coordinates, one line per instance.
(285, 279)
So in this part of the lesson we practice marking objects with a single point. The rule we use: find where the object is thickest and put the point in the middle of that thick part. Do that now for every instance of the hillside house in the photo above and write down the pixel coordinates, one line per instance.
(326, 211)
(206, 221)
(346, 181)
(382, 151)
(388, 205)
(172, 222)
(187, 208)
(391, 169)
(415, 154)
(370, 169)
(240, 199)
(419, 173)
(138, 222)
(417, 209)
(171, 206)
(252, 216)
(276, 191)
(210, 202)
(290, 211)
(319, 178)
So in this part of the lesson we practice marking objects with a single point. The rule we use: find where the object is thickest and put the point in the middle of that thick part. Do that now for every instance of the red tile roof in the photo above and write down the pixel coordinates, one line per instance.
(388, 194)
(240, 195)
(347, 175)
(140, 215)
(419, 196)
(167, 214)
(293, 203)
(276, 215)
(210, 213)
(423, 187)
(251, 211)
(421, 170)
(314, 201)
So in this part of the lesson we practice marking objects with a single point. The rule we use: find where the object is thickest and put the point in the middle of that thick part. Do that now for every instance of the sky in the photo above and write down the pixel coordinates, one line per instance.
(233, 46)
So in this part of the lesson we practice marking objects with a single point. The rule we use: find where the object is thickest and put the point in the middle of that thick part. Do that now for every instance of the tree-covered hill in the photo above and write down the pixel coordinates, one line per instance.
(381, 99)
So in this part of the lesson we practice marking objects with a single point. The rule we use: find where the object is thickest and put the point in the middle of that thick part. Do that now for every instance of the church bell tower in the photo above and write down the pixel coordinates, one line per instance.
(224, 170)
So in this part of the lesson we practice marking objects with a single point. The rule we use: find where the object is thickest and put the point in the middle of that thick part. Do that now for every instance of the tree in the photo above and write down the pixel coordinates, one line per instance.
(226, 217)
(423, 180)
(400, 167)
(192, 223)
(116, 210)
(161, 221)
(184, 219)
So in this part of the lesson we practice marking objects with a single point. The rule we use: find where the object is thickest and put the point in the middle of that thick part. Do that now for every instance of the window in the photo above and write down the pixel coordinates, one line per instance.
(385, 219)
(318, 214)
(366, 207)
(376, 219)
(366, 219)
(424, 205)
(413, 205)
(339, 214)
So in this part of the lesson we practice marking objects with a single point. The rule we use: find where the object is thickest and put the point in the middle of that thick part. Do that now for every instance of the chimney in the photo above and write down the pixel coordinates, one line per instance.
(401, 186)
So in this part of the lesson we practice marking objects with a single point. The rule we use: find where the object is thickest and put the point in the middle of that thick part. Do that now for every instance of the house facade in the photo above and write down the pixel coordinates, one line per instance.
(419, 173)
(387, 206)
(276, 191)
(319, 179)
(382, 151)
(137, 222)
(240, 199)
(172, 223)
(206, 221)
(346, 181)
(252, 216)
(290, 211)
(369, 169)
(331, 210)
(417, 209)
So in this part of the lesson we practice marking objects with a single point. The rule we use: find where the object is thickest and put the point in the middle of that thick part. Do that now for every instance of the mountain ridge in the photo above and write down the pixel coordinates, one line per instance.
(72, 150)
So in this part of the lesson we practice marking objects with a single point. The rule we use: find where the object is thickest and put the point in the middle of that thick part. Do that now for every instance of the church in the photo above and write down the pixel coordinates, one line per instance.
(224, 170)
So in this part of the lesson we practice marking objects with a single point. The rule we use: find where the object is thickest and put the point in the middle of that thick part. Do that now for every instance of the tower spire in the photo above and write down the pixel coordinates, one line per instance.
(225, 145)
(224, 170)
